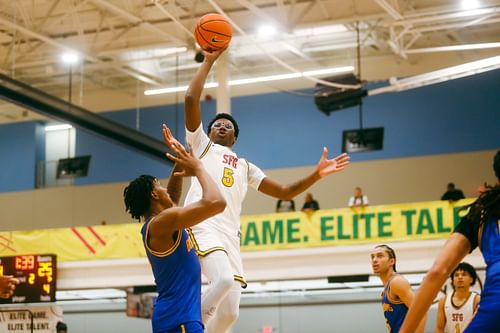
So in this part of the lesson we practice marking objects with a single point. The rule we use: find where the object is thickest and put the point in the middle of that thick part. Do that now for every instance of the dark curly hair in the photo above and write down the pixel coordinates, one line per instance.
(228, 117)
(489, 201)
(465, 267)
(60, 326)
(137, 195)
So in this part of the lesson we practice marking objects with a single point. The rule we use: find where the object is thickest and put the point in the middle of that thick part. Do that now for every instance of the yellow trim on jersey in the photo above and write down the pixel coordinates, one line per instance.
(162, 253)
(389, 295)
(183, 329)
(205, 151)
(197, 247)
(241, 280)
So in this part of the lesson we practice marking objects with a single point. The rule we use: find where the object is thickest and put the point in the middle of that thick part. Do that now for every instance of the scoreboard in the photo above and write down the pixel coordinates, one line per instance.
(37, 275)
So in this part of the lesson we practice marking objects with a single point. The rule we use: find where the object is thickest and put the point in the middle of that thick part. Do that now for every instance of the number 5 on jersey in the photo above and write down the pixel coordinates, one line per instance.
(227, 178)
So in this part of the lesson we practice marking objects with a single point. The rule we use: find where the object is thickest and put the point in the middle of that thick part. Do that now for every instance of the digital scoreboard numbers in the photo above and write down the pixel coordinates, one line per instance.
(37, 275)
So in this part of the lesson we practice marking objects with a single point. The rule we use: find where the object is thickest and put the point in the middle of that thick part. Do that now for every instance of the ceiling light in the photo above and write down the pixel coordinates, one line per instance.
(266, 30)
(333, 70)
(470, 4)
(61, 127)
(70, 58)
(320, 30)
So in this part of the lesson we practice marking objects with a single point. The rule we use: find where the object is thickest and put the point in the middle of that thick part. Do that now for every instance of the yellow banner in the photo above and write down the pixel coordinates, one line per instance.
(380, 224)
(391, 223)
(117, 241)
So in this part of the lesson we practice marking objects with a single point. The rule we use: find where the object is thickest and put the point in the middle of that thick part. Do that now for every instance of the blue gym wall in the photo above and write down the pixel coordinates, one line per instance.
(21, 146)
(280, 130)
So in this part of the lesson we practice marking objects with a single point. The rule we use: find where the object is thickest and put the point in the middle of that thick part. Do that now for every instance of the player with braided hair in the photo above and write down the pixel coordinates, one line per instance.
(479, 227)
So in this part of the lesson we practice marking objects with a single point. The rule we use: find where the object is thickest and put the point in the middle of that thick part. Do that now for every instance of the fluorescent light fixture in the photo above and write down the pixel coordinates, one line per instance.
(269, 78)
(470, 4)
(445, 74)
(266, 30)
(61, 127)
(320, 30)
(70, 58)
(334, 70)
(172, 50)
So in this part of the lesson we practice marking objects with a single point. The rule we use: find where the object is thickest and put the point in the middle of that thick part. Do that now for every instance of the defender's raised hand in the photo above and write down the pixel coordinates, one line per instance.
(189, 164)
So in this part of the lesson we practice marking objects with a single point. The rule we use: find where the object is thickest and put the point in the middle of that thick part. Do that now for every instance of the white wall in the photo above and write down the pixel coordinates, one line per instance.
(342, 313)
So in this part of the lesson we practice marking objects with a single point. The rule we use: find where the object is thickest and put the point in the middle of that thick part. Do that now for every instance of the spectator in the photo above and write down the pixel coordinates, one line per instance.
(283, 206)
(452, 194)
(310, 205)
(358, 199)
(61, 327)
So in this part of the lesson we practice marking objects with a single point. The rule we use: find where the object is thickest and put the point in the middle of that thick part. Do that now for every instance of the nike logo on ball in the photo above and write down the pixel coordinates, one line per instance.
(215, 40)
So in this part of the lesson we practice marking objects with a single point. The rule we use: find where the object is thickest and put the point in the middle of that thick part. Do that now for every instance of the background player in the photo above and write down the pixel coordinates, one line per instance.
(174, 262)
(217, 240)
(397, 295)
(456, 309)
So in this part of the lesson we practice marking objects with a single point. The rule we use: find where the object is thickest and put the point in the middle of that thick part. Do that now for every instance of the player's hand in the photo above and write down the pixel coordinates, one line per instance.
(7, 286)
(189, 164)
(211, 56)
(326, 167)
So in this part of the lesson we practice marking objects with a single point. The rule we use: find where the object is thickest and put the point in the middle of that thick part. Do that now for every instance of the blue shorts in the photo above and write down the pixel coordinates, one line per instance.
(485, 321)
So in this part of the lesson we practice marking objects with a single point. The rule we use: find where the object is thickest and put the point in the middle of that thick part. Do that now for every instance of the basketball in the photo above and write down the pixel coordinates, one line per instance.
(213, 32)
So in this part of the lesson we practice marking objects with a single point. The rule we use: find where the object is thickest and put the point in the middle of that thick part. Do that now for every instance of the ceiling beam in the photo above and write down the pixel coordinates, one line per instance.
(51, 24)
(50, 41)
(23, 95)
(137, 20)
(174, 19)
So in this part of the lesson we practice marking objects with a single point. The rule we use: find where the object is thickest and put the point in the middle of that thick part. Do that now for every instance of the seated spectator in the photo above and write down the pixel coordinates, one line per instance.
(283, 206)
(358, 199)
(452, 194)
(310, 205)
(61, 327)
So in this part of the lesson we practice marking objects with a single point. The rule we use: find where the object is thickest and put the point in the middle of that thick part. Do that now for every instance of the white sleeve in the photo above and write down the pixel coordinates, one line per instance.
(255, 175)
(198, 139)
(351, 202)
(365, 200)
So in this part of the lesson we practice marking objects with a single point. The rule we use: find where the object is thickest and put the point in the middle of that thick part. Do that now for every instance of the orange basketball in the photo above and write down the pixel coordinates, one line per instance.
(213, 32)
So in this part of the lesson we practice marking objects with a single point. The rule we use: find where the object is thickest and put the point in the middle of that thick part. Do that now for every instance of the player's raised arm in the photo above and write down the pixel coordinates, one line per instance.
(324, 168)
(193, 94)
(211, 202)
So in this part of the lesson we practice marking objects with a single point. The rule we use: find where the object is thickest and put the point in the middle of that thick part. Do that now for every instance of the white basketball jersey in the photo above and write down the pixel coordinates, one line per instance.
(457, 318)
(230, 173)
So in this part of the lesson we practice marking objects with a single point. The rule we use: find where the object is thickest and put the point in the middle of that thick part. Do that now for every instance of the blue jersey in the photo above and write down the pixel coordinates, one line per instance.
(177, 274)
(394, 311)
(487, 318)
